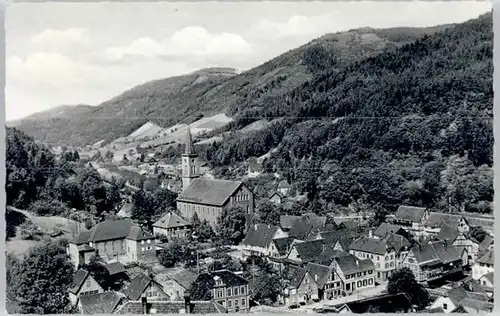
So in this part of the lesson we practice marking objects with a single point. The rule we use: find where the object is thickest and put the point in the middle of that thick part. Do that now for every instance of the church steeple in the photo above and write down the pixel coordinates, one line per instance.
(189, 167)
(189, 142)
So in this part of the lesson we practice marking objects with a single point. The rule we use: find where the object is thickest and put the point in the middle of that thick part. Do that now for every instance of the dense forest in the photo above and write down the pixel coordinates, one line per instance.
(408, 125)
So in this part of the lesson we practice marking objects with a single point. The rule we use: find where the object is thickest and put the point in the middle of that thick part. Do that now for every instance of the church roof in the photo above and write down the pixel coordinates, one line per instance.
(189, 143)
(209, 192)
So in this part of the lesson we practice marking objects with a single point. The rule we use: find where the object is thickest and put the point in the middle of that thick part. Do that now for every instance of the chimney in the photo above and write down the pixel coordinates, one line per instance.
(370, 233)
(144, 301)
(187, 303)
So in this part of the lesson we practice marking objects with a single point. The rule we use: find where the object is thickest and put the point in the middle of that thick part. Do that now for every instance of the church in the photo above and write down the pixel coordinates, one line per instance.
(207, 197)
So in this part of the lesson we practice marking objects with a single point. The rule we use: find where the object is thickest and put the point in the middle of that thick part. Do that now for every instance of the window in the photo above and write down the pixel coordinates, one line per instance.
(149, 241)
(386, 265)
(229, 303)
(365, 282)
(359, 283)
(445, 306)
(235, 291)
(228, 292)
(142, 248)
(142, 242)
(370, 281)
(113, 246)
(88, 283)
(243, 302)
(235, 302)
(242, 290)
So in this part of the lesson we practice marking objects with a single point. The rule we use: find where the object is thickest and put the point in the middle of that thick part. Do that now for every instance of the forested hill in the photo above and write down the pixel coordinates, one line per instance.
(206, 92)
(412, 125)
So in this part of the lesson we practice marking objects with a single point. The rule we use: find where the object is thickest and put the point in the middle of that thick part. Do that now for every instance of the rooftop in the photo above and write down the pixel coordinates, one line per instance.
(209, 192)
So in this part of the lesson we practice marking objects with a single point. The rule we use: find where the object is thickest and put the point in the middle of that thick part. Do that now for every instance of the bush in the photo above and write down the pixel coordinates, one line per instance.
(28, 230)
(48, 208)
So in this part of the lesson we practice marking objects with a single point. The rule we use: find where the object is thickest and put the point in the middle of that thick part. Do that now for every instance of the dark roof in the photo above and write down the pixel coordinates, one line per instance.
(206, 281)
(370, 245)
(113, 229)
(410, 213)
(344, 236)
(137, 286)
(102, 303)
(115, 268)
(397, 241)
(448, 233)
(328, 255)
(476, 301)
(349, 224)
(297, 277)
(283, 184)
(350, 264)
(437, 252)
(209, 192)
(80, 277)
(85, 248)
(306, 224)
(432, 310)
(189, 150)
(278, 194)
(283, 245)
(488, 258)
(286, 221)
(439, 219)
(490, 276)
(386, 228)
(486, 243)
(383, 303)
(172, 307)
(184, 277)
(260, 235)
(320, 273)
(171, 220)
(309, 250)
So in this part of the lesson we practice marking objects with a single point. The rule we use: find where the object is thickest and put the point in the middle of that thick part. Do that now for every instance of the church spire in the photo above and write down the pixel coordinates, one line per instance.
(189, 142)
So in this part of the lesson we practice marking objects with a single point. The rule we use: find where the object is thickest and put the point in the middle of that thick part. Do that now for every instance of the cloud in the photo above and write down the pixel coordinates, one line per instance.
(189, 42)
(61, 40)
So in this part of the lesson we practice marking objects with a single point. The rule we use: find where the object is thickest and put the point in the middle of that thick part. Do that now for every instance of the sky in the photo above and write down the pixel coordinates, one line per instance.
(86, 53)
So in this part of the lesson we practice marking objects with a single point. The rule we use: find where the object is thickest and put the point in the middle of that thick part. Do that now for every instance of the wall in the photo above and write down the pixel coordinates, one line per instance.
(90, 286)
(73, 253)
(176, 232)
(155, 293)
(445, 303)
(384, 264)
(231, 300)
(110, 248)
(480, 269)
(308, 289)
(142, 250)
(204, 212)
(243, 197)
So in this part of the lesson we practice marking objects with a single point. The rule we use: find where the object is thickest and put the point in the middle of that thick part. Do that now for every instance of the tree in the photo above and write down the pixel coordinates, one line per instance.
(43, 278)
(202, 230)
(98, 271)
(231, 225)
(143, 209)
(478, 233)
(403, 281)
(171, 255)
(269, 213)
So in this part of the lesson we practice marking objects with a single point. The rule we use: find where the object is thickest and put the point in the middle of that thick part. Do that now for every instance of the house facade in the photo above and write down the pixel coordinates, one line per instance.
(412, 219)
(83, 284)
(172, 226)
(382, 254)
(144, 286)
(356, 274)
(484, 265)
(113, 239)
(259, 238)
(302, 288)
(225, 288)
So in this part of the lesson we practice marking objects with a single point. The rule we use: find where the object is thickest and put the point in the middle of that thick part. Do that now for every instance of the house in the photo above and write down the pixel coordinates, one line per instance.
(459, 297)
(484, 265)
(101, 303)
(307, 225)
(355, 273)
(487, 281)
(113, 239)
(328, 282)
(287, 221)
(277, 198)
(301, 289)
(302, 252)
(83, 284)
(177, 283)
(143, 285)
(280, 247)
(284, 187)
(434, 261)
(485, 245)
(259, 237)
(126, 210)
(412, 219)
(385, 253)
(387, 303)
(459, 238)
(117, 274)
(338, 239)
(224, 287)
(254, 168)
(388, 228)
(172, 226)
(144, 306)
(436, 220)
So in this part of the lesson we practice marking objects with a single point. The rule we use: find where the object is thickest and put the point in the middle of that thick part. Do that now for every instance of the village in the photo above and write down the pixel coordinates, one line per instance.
(322, 264)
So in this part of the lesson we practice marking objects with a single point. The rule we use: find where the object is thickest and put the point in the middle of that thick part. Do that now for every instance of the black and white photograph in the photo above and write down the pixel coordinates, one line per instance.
(249, 157)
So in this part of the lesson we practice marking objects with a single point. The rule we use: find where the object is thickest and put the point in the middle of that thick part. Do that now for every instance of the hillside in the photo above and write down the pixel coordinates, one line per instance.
(411, 125)
(206, 92)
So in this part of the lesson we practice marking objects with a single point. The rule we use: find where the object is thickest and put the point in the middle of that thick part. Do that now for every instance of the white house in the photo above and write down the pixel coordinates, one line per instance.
(83, 284)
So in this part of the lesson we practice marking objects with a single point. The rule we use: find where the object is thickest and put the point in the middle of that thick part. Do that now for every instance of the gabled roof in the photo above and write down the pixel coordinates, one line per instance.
(171, 220)
(80, 277)
(469, 300)
(281, 196)
(283, 245)
(286, 221)
(388, 303)
(350, 264)
(410, 213)
(304, 225)
(115, 268)
(209, 192)
(320, 273)
(370, 245)
(490, 276)
(437, 219)
(398, 242)
(113, 229)
(283, 184)
(126, 210)
(260, 235)
(309, 250)
(386, 228)
(101, 303)
(137, 286)
(434, 253)
(172, 307)
(448, 233)
(297, 277)
(488, 258)
(183, 277)
(344, 237)
(486, 243)
(206, 281)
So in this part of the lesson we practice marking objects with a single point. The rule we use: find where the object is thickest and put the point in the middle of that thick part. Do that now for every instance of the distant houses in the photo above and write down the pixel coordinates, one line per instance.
(172, 226)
